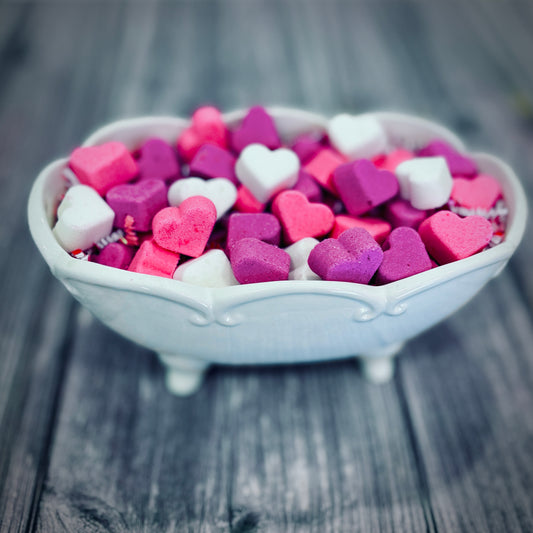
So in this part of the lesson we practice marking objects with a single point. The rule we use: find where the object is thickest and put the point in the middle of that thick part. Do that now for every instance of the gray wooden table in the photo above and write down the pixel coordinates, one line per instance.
(89, 438)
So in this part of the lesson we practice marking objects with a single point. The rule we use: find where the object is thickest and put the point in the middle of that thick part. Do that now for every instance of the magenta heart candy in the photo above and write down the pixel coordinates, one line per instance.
(307, 185)
(354, 256)
(262, 226)
(255, 261)
(213, 162)
(158, 160)
(115, 254)
(400, 212)
(458, 164)
(306, 146)
(140, 200)
(256, 127)
(361, 186)
(404, 255)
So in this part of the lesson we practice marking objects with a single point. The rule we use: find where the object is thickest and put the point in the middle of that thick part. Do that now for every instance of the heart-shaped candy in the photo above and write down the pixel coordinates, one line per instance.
(308, 186)
(404, 255)
(83, 218)
(247, 203)
(425, 181)
(394, 158)
(377, 227)
(185, 229)
(362, 186)
(449, 237)
(400, 212)
(306, 146)
(256, 127)
(103, 166)
(357, 137)
(211, 269)
(140, 200)
(265, 172)
(301, 218)
(299, 253)
(478, 193)
(458, 164)
(154, 260)
(158, 160)
(262, 226)
(213, 162)
(255, 261)
(115, 254)
(207, 127)
(219, 190)
(322, 165)
(354, 256)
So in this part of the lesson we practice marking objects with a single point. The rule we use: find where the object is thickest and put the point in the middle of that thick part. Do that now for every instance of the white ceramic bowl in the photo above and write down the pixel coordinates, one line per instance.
(277, 322)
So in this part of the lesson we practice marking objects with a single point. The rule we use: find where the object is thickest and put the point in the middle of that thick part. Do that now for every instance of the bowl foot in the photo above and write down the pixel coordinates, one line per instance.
(184, 375)
(378, 366)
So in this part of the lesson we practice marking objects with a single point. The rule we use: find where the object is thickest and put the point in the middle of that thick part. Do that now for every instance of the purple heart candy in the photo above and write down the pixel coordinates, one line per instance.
(115, 254)
(140, 200)
(213, 162)
(362, 186)
(306, 146)
(405, 255)
(256, 127)
(158, 160)
(354, 256)
(255, 261)
(262, 226)
(308, 186)
(458, 164)
(400, 212)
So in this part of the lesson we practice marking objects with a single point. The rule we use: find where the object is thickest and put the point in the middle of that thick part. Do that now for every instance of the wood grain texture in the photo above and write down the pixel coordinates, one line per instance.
(90, 439)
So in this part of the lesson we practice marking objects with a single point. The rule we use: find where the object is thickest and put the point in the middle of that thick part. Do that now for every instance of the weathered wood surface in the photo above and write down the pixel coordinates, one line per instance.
(89, 438)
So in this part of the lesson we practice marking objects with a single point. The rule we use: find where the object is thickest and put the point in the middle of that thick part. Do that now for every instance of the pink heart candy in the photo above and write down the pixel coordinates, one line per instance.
(246, 202)
(404, 255)
(154, 260)
(458, 164)
(322, 165)
(255, 261)
(478, 193)
(354, 256)
(301, 218)
(140, 200)
(103, 166)
(158, 160)
(185, 229)
(448, 237)
(361, 186)
(377, 227)
(206, 126)
(256, 127)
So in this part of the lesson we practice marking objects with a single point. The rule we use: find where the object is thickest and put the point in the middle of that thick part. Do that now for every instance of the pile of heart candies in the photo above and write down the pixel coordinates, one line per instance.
(217, 207)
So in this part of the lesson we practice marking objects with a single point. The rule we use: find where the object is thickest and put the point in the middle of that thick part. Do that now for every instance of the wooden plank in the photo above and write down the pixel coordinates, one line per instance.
(304, 449)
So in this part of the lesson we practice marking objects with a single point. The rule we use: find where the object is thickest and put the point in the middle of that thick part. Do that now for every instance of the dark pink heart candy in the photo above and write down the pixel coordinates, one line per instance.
(458, 164)
(256, 127)
(255, 261)
(306, 146)
(308, 186)
(361, 186)
(405, 255)
(140, 200)
(115, 254)
(354, 256)
(262, 226)
(158, 160)
(400, 212)
(212, 161)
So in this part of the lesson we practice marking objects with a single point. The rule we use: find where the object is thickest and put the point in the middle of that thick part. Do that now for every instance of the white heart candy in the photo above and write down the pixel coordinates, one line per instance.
(299, 253)
(357, 137)
(265, 172)
(219, 190)
(83, 218)
(425, 181)
(212, 269)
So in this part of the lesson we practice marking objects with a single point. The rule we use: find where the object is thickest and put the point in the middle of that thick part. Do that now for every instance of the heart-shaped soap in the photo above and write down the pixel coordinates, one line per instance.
(265, 172)
(425, 181)
(207, 127)
(354, 256)
(404, 255)
(448, 237)
(185, 229)
(362, 186)
(256, 127)
(83, 218)
(458, 164)
(255, 261)
(103, 166)
(301, 218)
(141, 200)
(357, 137)
(158, 160)
(219, 190)
(480, 192)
